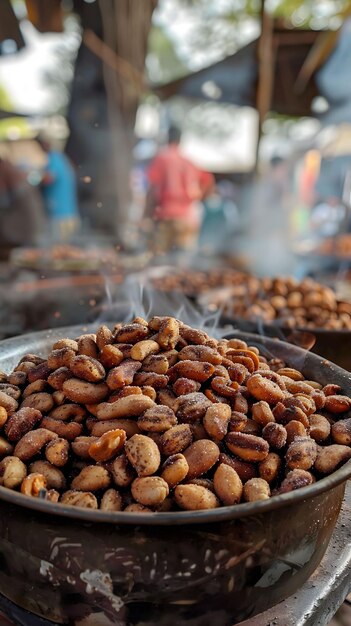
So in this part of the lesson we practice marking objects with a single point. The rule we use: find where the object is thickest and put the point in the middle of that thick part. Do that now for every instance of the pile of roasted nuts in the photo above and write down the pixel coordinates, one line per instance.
(292, 304)
(157, 416)
(193, 282)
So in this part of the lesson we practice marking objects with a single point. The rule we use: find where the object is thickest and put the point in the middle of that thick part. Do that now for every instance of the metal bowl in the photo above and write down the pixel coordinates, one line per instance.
(78, 566)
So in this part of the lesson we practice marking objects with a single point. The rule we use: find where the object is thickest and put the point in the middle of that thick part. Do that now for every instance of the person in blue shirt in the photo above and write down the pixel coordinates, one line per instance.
(59, 190)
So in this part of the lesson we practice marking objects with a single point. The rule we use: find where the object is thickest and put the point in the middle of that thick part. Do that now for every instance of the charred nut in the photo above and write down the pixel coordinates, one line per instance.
(176, 439)
(108, 445)
(80, 498)
(32, 443)
(227, 485)
(157, 419)
(53, 476)
(87, 368)
(111, 501)
(92, 478)
(301, 453)
(195, 498)
(57, 451)
(174, 469)
(256, 489)
(247, 447)
(149, 490)
(201, 456)
(33, 484)
(12, 472)
(143, 454)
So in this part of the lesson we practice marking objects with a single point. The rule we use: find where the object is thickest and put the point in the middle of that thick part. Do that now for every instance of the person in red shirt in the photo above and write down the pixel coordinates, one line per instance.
(176, 186)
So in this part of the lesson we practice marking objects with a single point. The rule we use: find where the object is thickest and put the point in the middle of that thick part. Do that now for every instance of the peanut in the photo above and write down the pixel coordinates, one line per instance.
(256, 489)
(301, 453)
(57, 451)
(130, 406)
(92, 478)
(195, 498)
(53, 476)
(12, 472)
(330, 457)
(247, 447)
(143, 349)
(32, 443)
(176, 439)
(33, 484)
(83, 392)
(121, 471)
(149, 490)
(227, 485)
(21, 422)
(143, 454)
(201, 456)
(244, 469)
(83, 499)
(108, 445)
(269, 468)
(111, 501)
(123, 374)
(216, 420)
(320, 428)
(87, 368)
(175, 469)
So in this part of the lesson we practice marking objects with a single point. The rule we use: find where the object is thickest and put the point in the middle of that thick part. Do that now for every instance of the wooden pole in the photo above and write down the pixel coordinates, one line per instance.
(265, 64)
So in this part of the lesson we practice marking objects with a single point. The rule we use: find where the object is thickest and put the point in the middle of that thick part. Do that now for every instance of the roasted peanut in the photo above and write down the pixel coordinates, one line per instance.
(256, 489)
(167, 397)
(37, 386)
(262, 413)
(57, 451)
(192, 406)
(196, 370)
(130, 406)
(150, 490)
(143, 454)
(66, 343)
(32, 443)
(216, 420)
(200, 353)
(5, 447)
(92, 478)
(33, 484)
(12, 472)
(83, 392)
(39, 372)
(83, 499)
(290, 373)
(157, 419)
(227, 485)
(110, 356)
(151, 379)
(80, 446)
(67, 430)
(8, 403)
(157, 363)
(264, 389)
(330, 457)
(131, 333)
(21, 422)
(247, 447)
(60, 358)
(111, 501)
(53, 476)
(87, 368)
(3, 416)
(201, 456)
(276, 435)
(41, 401)
(249, 426)
(168, 334)
(123, 374)
(58, 377)
(319, 428)
(135, 507)
(12, 390)
(184, 386)
(104, 336)
(108, 445)
(18, 378)
(341, 432)
(175, 469)
(301, 453)
(88, 346)
(295, 479)
(71, 412)
(195, 498)
(143, 349)
(331, 389)
(121, 471)
(238, 372)
(270, 467)
(337, 404)
(129, 426)
(176, 439)
(224, 387)
(238, 422)
(240, 404)
(294, 429)
(244, 469)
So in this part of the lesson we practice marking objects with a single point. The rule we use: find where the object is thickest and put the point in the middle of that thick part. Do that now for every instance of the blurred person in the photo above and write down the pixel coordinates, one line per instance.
(176, 188)
(59, 189)
(22, 214)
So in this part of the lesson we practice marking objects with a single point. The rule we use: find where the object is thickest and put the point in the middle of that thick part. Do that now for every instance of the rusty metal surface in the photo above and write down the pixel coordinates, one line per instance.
(323, 593)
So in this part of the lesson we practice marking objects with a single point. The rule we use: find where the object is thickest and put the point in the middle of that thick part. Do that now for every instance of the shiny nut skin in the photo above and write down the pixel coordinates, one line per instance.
(33, 484)
(195, 498)
(337, 404)
(21, 422)
(256, 489)
(264, 389)
(174, 469)
(83, 499)
(57, 452)
(92, 478)
(108, 445)
(247, 447)
(227, 485)
(149, 490)
(143, 454)
(12, 472)
(201, 456)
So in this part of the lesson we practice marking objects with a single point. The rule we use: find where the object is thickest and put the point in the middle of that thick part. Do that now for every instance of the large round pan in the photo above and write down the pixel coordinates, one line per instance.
(75, 566)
